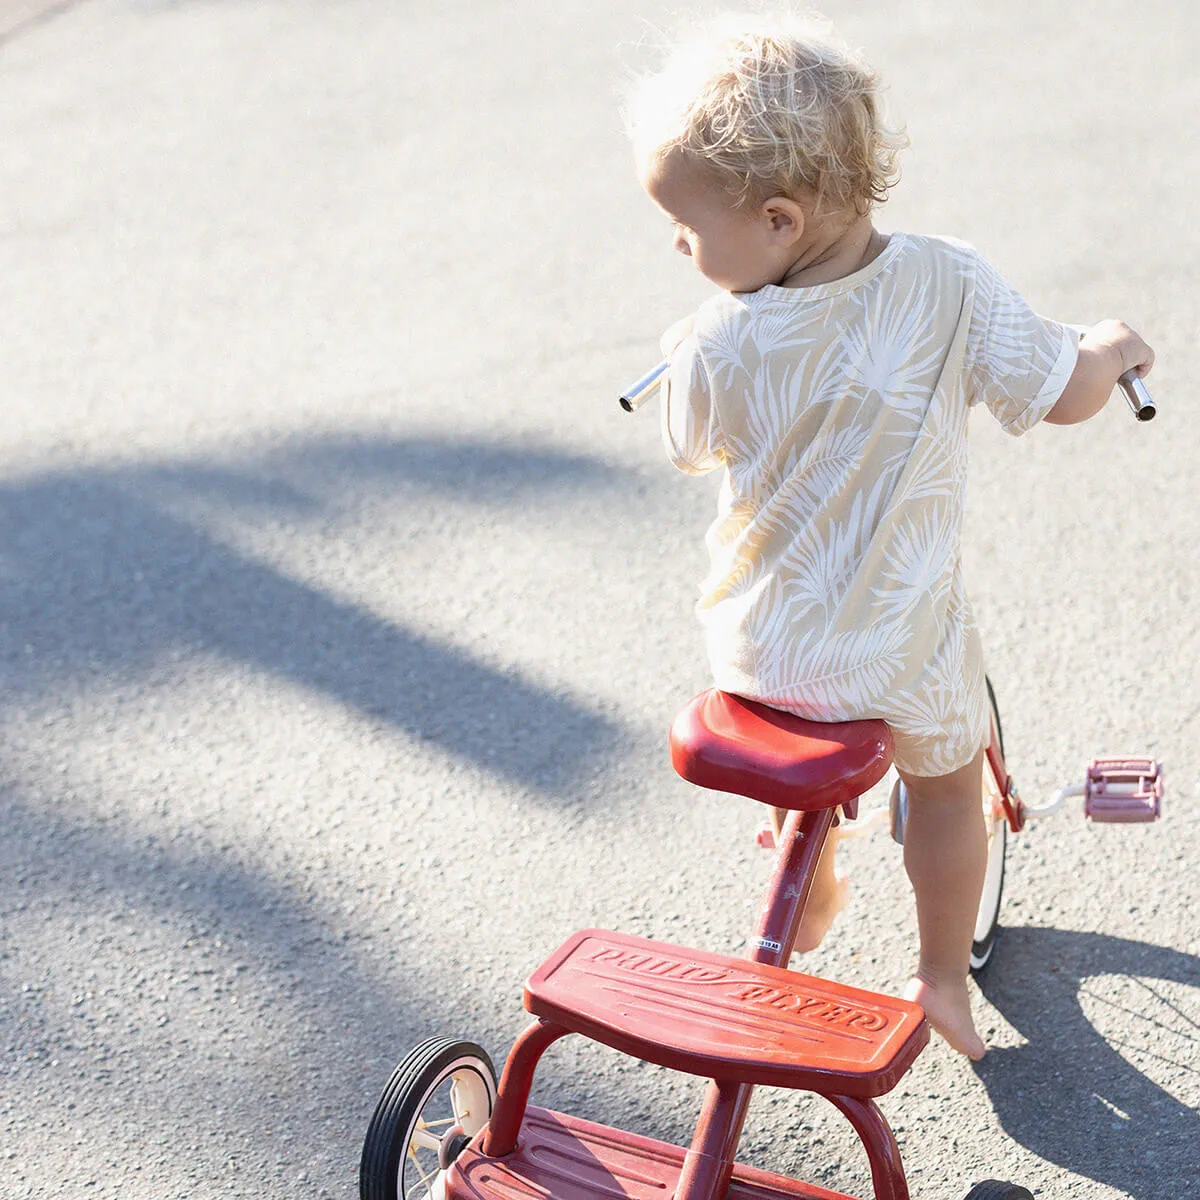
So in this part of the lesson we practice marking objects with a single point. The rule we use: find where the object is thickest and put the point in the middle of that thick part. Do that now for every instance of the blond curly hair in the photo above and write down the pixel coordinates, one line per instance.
(770, 105)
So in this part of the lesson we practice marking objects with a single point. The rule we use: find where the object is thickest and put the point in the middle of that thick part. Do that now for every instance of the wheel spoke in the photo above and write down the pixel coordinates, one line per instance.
(426, 1183)
(426, 1141)
(418, 1191)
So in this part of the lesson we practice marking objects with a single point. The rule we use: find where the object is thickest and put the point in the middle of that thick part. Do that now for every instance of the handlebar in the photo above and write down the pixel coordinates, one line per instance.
(634, 397)
(1141, 402)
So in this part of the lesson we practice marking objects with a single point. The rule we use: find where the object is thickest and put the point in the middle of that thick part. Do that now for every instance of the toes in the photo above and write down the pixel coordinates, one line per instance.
(949, 1015)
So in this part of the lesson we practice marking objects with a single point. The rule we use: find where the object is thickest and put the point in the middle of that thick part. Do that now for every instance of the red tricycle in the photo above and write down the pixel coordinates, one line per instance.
(443, 1130)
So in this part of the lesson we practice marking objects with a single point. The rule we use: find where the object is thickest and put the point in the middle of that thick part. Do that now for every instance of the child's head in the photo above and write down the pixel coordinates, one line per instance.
(765, 108)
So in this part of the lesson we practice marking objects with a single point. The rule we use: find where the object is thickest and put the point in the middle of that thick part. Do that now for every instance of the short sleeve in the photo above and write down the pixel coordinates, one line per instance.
(1017, 363)
(689, 427)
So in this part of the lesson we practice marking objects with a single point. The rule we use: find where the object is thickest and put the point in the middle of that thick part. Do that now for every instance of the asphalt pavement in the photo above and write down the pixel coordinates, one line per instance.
(343, 614)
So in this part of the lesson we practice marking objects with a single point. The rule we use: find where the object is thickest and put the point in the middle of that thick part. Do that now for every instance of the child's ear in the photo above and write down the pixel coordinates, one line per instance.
(785, 219)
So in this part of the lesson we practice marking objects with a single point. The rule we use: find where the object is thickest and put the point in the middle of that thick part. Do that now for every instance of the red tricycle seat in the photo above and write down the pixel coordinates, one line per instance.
(730, 744)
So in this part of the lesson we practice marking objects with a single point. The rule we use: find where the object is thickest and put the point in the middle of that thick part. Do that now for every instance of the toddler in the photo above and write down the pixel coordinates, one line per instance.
(830, 381)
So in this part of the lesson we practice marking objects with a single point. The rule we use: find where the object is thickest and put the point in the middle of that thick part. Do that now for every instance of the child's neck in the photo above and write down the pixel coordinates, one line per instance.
(834, 250)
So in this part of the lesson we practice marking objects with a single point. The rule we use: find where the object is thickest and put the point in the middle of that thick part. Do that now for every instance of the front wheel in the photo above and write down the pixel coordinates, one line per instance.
(437, 1099)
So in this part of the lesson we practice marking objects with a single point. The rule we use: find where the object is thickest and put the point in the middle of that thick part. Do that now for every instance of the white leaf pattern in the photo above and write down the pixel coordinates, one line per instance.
(723, 351)
(822, 564)
(846, 670)
(918, 557)
(891, 352)
(826, 465)
(773, 330)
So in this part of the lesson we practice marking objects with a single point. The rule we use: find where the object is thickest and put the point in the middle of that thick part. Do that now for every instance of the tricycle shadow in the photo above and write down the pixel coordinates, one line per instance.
(1071, 1093)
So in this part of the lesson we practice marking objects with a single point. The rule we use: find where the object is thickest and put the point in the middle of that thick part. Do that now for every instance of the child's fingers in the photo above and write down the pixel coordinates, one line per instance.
(1137, 355)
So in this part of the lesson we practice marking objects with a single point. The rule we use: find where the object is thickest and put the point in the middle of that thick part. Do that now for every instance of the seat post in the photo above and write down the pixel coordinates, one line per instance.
(708, 1166)
(802, 841)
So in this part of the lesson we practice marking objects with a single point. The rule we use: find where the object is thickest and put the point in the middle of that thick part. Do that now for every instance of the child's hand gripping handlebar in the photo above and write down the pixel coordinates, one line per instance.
(1140, 401)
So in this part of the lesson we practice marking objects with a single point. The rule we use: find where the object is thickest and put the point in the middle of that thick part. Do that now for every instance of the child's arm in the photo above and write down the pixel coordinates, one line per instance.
(1106, 352)
(689, 429)
(676, 334)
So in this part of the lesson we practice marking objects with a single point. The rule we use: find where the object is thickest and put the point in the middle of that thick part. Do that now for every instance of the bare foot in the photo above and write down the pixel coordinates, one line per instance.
(819, 914)
(948, 1009)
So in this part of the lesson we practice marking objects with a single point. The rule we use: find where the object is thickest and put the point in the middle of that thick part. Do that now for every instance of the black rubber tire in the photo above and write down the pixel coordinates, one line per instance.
(996, 1189)
(407, 1092)
(983, 945)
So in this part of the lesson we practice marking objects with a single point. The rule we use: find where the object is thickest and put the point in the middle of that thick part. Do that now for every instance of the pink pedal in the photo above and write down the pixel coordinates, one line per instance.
(1123, 790)
(765, 838)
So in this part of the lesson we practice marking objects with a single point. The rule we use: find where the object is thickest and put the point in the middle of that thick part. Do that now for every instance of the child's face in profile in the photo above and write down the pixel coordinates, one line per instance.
(740, 250)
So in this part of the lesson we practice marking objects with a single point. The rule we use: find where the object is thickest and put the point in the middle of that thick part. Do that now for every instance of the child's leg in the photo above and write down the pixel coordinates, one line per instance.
(945, 855)
(829, 892)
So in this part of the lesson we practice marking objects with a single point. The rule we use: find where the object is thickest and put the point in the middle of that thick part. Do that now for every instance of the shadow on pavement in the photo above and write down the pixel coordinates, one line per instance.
(181, 999)
(183, 1003)
(111, 573)
(200, 994)
(18, 16)
(1067, 1094)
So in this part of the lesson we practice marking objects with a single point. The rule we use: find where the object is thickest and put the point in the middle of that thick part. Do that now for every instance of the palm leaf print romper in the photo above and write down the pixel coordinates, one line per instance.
(838, 414)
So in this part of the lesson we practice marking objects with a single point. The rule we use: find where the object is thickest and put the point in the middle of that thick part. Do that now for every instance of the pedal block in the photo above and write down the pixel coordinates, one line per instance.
(1123, 790)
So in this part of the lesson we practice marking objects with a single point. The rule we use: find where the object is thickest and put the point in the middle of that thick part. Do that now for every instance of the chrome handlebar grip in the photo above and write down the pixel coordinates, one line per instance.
(1140, 400)
(634, 397)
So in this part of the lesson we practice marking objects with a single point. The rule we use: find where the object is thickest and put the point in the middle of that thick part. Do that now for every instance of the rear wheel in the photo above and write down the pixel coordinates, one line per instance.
(987, 922)
(437, 1099)
(996, 1189)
